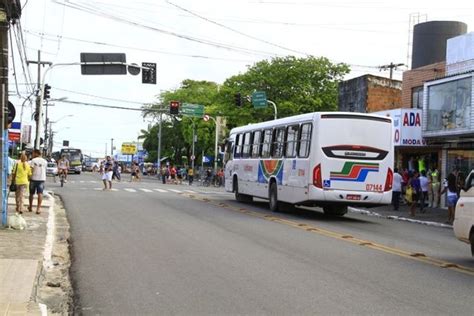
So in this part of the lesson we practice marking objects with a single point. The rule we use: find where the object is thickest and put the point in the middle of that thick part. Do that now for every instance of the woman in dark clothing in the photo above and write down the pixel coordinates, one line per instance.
(415, 185)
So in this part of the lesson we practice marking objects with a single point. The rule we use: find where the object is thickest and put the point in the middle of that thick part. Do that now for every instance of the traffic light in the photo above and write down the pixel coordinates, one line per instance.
(238, 99)
(47, 92)
(174, 107)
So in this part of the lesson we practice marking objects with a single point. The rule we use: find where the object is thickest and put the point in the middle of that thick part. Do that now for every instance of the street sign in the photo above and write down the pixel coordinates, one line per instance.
(149, 73)
(206, 118)
(133, 69)
(14, 136)
(192, 110)
(129, 149)
(259, 99)
(104, 69)
(11, 112)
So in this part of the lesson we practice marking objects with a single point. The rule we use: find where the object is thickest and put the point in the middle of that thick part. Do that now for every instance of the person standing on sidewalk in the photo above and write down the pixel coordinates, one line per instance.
(450, 187)
(424, 183)
(38, 177)
(21, 174)
(415, 185)
(396, 189)
(191, 175)
(435, 187)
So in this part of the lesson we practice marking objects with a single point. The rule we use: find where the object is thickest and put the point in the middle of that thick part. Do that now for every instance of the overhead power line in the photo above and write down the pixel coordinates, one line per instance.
(234, 30)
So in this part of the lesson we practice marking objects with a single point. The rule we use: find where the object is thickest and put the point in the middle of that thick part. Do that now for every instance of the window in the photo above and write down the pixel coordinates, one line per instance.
(291, 140)
(417, 98)
(246, 145)
(257, 138)
(449, 105)
(278, 142)
(267, 143)
(238, 146)
(305, 140)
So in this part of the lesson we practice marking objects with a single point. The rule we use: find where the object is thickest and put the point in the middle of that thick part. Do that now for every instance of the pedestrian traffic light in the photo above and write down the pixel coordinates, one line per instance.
(47, 93)
(238, 99)
(174, 107)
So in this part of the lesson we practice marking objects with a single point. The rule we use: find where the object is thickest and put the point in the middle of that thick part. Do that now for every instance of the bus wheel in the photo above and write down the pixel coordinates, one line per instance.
(244, 198)
(273, 197)
(335, 210)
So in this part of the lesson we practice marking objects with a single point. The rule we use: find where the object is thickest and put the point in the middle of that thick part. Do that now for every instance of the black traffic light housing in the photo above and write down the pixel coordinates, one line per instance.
(238, 99)
(47, 92)
(174, 107)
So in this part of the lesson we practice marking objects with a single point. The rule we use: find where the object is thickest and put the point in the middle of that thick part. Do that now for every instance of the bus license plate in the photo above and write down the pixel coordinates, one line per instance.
(353, 197)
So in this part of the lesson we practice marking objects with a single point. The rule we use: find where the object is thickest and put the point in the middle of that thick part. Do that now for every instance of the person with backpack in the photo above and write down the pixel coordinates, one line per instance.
(21, 174)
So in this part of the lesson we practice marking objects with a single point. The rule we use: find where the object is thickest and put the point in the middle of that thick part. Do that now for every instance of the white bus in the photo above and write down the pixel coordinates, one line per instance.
(326, 159)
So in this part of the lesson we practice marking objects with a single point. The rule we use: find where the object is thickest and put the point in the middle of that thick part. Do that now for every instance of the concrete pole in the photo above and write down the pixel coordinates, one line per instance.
(193, 157)
(158, 155)
(3, 102)
(112, 147)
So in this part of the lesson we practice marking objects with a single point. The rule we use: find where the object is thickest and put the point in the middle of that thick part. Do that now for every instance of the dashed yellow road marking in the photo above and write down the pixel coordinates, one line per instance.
(420, 257)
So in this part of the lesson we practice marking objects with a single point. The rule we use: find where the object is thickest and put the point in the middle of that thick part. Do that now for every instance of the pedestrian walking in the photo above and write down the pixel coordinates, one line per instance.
(396, 189)
(21, 174)
(451, 190)
(424, 184)
(107, 174)
(163, 172)
(173, 174)
(116, 171)
(38, 177)
(190, 176)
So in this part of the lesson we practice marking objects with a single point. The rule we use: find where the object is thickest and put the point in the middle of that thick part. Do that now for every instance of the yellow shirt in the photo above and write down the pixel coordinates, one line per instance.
(23, 172)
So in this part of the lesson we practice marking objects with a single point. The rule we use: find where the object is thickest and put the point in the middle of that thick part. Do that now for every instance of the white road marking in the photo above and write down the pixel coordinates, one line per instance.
(175, 191)
(146, 190)
(130, 190)
(161, 190)
(189, 191)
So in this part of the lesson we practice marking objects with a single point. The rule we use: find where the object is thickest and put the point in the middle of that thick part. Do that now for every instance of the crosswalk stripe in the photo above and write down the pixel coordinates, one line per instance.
(160, 190)
(189, 191)
(146, 190)
(175, 191)
(130, 190)
(114, 189)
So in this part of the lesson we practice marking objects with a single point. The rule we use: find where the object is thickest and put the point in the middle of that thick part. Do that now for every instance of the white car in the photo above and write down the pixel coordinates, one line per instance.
(52, 169)
(464, 218)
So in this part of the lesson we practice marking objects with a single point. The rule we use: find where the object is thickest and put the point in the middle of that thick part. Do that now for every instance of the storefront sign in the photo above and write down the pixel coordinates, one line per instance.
(407, 126)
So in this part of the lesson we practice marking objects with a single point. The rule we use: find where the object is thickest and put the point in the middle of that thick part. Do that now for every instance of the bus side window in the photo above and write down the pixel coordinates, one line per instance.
(304, 144)
(278, 142)
(229, 146)
(291, 140)
(246, 145)
(238, 146)
(266, 143)
(257, 139)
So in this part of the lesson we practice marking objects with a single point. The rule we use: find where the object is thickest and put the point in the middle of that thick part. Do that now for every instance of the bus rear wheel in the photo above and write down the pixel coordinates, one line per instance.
(273, 198)
(335, 210)
(239, 197)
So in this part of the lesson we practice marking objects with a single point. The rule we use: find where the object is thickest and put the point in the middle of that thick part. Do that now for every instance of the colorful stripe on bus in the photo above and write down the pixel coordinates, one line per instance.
(268, 169)
(354, 171)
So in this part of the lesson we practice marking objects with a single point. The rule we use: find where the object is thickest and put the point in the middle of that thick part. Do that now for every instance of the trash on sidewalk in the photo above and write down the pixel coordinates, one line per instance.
(16, 221)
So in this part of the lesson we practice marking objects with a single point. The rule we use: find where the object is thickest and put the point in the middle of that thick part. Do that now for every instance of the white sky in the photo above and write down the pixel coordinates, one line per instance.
(364, 33)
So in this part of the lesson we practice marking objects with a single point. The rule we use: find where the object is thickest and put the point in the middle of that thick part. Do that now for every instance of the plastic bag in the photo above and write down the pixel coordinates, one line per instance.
(17, 221)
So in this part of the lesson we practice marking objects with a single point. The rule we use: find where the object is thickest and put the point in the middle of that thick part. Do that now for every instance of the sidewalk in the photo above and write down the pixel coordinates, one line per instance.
(431, 216)
(26, 259)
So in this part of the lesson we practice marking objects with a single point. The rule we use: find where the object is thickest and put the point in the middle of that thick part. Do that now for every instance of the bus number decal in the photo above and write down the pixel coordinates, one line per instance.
(373, 187)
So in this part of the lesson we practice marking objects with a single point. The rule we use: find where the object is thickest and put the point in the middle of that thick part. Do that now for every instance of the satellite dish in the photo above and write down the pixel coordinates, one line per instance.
(134, 70)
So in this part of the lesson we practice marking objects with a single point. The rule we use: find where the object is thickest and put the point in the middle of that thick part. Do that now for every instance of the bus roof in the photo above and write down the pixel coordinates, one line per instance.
(305, 117)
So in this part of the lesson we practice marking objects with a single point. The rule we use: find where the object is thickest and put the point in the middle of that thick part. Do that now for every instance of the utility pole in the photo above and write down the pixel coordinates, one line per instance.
(112, 147)
(38, 97)
(390, 66)
(158, 154)
(9, 11)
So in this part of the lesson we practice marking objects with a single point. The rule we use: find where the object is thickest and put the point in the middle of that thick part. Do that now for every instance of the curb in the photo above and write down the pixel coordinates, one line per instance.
(399, 218)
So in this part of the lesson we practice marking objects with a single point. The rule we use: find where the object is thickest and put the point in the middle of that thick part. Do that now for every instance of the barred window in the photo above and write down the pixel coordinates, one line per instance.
(267, 143)
(257, 139)
(305, 140)
(278, 142)
(291, 140)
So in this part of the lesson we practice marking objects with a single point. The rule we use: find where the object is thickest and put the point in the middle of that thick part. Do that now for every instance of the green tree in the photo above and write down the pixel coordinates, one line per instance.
(296, 85)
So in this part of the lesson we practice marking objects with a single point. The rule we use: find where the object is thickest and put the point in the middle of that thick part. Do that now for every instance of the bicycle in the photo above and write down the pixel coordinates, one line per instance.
(62, 178)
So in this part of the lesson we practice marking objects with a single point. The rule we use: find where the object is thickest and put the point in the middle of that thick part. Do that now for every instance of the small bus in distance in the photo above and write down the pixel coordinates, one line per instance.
(327, 159)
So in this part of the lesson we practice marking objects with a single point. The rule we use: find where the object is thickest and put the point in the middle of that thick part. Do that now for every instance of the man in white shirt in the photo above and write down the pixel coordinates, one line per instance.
(38, 169)
(424, 183)
(396, 189)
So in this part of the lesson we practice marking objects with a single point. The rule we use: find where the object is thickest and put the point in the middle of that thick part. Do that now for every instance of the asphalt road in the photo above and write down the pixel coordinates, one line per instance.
(145, 249)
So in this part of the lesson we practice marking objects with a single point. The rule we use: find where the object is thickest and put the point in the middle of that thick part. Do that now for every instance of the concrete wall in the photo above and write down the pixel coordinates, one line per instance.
(369, 93)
